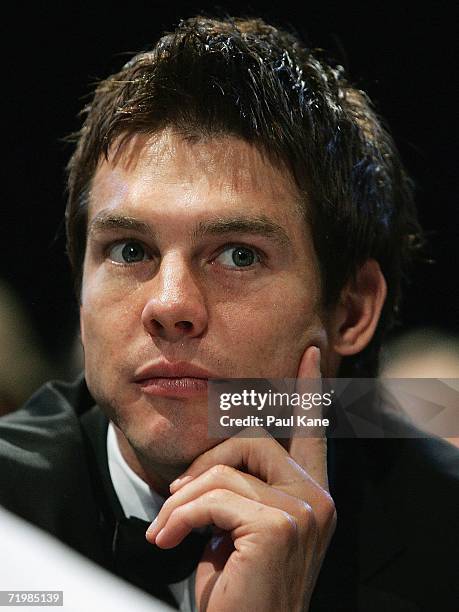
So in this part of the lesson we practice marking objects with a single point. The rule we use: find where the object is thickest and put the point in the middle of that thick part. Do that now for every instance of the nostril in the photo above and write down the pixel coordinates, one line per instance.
(157, 325)
(184, 325)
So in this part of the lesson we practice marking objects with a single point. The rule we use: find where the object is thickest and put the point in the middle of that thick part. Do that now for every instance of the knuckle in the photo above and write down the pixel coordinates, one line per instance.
(328, 511)
(328, 505)
(307, 521)
(305, 515)
(220, 471)
(332, 520)
(216, 496)
(284, 527)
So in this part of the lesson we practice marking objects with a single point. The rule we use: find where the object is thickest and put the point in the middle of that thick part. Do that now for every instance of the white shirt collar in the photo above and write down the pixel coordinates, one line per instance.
(135, 496)
(137, 499)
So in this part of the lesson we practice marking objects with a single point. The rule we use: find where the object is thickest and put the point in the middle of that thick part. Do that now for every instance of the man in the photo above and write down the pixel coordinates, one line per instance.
(235, 211)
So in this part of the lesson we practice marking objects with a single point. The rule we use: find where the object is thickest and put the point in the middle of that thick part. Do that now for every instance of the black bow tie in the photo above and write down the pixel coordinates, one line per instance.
(150, 567)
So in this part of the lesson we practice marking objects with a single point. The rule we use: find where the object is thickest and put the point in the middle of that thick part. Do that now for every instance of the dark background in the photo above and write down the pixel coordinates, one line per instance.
(401, 54)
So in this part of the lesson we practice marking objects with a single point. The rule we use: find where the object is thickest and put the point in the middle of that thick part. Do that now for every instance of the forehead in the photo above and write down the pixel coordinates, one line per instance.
(165, 173)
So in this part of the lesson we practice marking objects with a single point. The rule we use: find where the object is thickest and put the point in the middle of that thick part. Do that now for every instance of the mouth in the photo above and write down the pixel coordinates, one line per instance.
(174, 387)
(177, 380)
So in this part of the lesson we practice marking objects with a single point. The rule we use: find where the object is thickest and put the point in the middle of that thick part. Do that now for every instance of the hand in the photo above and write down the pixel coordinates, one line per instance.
(275, 519)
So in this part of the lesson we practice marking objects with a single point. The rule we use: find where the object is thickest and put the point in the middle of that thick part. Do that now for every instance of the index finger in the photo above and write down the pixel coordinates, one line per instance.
(308, 446)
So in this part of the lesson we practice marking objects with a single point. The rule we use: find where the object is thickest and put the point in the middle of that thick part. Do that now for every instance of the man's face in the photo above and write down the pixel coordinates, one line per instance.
(197, 254)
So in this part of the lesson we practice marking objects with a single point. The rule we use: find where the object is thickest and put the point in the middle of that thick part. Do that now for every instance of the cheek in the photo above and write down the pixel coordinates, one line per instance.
(106, 322)
(269, 335)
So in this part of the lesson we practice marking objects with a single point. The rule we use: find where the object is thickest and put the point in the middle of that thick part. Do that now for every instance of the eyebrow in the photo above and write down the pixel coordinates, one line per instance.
(104, 221)
(260, 225)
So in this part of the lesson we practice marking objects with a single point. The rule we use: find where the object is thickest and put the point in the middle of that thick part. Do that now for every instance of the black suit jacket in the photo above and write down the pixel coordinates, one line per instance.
(396, 543)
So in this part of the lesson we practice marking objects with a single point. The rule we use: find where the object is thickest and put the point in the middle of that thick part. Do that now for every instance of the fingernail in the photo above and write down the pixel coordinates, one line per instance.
(152, 527)
(317, 356)
(178, 482)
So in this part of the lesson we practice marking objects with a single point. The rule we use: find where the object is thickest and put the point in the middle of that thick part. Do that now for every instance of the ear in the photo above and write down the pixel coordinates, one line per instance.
(355, 318)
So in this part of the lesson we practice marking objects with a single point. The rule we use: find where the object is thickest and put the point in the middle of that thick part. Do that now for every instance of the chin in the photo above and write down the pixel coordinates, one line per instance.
(166, 443)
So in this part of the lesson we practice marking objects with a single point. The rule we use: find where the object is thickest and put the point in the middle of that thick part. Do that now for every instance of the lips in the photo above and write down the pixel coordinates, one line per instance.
(175, 380)
(178, 369)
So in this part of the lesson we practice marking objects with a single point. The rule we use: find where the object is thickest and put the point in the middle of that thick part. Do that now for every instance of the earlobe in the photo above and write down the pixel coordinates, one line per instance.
(357, 315)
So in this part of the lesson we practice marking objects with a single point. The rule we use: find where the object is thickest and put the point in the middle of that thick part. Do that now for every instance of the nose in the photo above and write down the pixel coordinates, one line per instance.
(175, 308)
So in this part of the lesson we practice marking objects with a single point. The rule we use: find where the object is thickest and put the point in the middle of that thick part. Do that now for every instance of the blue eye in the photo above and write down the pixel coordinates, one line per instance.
(238, 256)
(127, 252)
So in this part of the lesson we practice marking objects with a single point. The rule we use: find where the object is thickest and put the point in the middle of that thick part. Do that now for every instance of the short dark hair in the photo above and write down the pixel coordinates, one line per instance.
(245, 78)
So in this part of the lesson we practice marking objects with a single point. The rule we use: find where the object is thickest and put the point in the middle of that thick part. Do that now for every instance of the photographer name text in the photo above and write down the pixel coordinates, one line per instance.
(269, 421)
